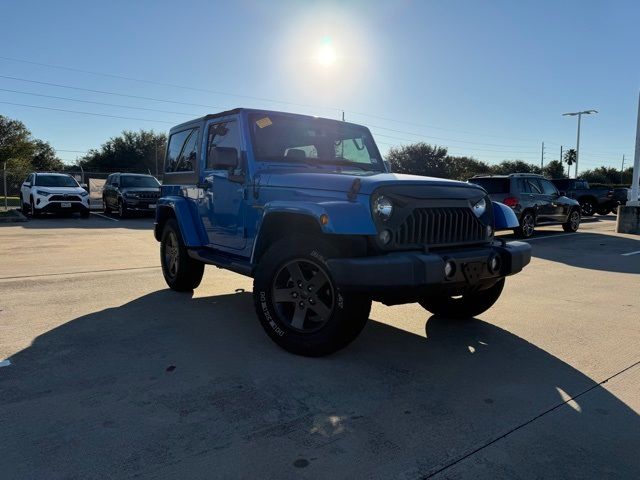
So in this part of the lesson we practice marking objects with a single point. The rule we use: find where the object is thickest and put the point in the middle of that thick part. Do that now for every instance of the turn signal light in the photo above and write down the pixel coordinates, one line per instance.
(511, 201)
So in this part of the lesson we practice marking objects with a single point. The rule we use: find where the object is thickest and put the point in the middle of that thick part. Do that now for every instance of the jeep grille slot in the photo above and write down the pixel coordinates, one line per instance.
(440, 226)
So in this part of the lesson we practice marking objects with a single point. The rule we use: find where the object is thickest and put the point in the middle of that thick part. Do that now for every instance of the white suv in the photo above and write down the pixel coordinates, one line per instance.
(53, 193)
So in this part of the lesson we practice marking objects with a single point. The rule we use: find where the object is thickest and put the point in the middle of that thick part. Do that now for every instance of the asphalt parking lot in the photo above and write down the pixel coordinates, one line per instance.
(110, 374)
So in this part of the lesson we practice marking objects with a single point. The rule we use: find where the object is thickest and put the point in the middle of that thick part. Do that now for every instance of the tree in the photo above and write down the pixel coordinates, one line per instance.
(606, 175)
(15, 140)
(554, 169)
(44, 157)
(129, 152)
(463, 168)
(419, 159)
(570, 158)
(507, 167)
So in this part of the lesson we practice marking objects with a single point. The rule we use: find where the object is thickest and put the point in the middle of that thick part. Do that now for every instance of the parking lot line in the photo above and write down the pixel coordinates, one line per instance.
(104, 216)
(630, 253)
(550, 236)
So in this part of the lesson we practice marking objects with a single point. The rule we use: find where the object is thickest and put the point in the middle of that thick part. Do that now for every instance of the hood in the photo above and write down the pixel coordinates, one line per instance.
(342, 182)
(75, 190)
(140, 189)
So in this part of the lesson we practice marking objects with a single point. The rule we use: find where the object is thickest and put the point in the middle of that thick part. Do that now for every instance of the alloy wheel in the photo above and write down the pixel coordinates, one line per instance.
(575, 220)
(528, 225)
(172, 254)
(303, 295)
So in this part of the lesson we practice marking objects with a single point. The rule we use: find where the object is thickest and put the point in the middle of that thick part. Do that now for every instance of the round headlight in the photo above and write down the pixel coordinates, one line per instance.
(480, 207)
(383, 208)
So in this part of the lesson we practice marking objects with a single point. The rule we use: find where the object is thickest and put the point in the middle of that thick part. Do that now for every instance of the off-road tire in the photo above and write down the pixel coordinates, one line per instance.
(186, 274)
(571, 225)
(335, 326)
(527, 225)
(470, 304)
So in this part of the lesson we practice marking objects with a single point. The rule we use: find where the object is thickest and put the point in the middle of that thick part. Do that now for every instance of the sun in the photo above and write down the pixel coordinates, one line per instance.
(326, 55)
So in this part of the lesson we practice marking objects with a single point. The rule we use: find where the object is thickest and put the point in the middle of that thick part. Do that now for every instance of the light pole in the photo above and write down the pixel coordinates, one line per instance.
(579, 114)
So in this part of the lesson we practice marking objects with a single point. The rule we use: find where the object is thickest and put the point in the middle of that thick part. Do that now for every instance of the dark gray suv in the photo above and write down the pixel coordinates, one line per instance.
(130, 192)
(533, 198)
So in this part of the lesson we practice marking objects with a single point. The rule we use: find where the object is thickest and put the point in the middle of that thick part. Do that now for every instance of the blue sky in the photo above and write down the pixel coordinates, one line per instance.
(485, 78)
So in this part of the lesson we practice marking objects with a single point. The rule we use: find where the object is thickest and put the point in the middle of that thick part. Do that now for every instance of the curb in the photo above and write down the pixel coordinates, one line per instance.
(18, 217)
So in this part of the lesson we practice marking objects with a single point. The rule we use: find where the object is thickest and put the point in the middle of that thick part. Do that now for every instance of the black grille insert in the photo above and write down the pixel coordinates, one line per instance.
(440, 226)
(65, 198)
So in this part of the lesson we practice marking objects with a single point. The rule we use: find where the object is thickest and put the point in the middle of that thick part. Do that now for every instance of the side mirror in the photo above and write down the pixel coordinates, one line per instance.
(223, 157)
(115, 185)
(562, 193)
(84, 185)
(26, 184)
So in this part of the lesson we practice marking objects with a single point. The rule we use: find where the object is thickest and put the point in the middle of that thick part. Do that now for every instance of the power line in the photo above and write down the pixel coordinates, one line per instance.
(163, 84)
(96, 103)
(87, 113)
(105, 92)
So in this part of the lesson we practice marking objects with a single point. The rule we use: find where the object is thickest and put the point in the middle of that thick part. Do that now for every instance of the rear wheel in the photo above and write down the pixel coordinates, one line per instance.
(588, 208)
(107, 208)
(181, 272)
(527, 225)
(299, 304)
(469, 304)
(573, 221)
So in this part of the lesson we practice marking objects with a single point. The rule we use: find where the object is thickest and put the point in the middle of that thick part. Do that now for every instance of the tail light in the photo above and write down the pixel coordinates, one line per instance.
(511, 201)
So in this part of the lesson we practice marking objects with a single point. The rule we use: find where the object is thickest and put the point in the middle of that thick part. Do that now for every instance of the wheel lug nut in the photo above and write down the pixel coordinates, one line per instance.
(294, 294)
(301, 304)
(309, 288)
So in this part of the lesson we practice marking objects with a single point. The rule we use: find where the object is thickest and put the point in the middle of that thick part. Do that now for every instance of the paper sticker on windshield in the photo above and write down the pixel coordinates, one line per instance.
(264, 122)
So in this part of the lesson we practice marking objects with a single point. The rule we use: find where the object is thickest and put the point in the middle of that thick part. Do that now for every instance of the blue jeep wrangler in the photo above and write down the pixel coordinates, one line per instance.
(309, 209)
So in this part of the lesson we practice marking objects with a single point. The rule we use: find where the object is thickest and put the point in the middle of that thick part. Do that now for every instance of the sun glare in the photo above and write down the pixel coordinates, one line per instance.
(326, 55)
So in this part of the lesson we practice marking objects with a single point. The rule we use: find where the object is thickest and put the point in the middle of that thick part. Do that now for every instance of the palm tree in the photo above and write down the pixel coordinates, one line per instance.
(570, 159)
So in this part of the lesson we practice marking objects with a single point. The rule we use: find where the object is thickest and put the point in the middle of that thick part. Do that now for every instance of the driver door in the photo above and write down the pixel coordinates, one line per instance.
(222, 205)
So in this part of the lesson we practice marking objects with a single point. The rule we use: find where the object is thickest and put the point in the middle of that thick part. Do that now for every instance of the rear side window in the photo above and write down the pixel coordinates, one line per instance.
(492, 185)
(534, 185)
(181, 153)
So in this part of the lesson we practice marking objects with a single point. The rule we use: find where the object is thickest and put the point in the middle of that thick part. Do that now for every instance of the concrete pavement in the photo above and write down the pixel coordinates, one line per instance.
(113, 375)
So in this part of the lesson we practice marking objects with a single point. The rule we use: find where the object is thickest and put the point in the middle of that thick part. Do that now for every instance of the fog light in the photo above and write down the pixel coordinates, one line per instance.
(494, 264)
(449, 269)
(384, 236)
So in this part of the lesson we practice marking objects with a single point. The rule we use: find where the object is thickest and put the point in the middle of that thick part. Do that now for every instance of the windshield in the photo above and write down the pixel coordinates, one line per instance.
(313, 141)
(55, 181)
(492, 185)
(138, 181)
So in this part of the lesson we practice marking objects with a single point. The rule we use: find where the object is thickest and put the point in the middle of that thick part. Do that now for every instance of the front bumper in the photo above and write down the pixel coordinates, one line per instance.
(416, 270)
(140, 206)
(61, 207)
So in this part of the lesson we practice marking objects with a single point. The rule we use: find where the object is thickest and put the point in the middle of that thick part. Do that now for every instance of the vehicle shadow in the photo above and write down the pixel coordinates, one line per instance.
(97, 220)
(595, 251)
(178, 387)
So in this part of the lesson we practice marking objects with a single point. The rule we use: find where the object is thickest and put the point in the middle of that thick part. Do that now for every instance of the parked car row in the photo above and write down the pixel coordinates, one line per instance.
(533, 199)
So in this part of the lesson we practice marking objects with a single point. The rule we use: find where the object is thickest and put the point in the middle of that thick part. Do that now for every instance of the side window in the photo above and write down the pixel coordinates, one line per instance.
(523, 186)
(534, 185)
(176, 160)
(548, 188)
(222, 137)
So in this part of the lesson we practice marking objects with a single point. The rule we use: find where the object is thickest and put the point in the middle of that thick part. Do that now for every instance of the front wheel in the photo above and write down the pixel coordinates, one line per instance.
(573, 222)
(299, 304)
(527, 226)
(469, 304)
(588, 208)
(122, 210)
(35, 212)
(181, 272)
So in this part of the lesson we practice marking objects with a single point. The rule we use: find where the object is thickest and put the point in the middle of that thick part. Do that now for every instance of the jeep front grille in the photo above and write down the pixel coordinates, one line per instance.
(439, 227)
(147, 195)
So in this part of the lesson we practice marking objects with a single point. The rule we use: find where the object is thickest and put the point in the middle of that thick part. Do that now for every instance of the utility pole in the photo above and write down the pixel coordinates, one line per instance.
(579, 114)
(622, 170)
(633, 200)
(542, 157)
(5, 185)
(561, 159)
(156, 142)
(343, 115)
